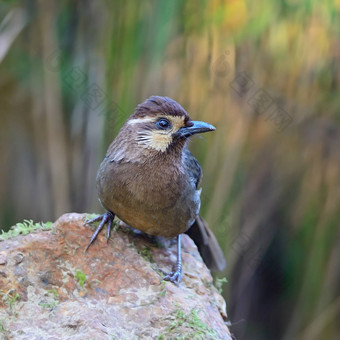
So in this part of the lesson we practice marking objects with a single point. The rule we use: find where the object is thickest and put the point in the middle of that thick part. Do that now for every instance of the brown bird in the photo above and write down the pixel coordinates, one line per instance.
(150, 179)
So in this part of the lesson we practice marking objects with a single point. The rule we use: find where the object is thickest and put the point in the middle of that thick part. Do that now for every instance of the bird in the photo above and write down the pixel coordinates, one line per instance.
(150, 180)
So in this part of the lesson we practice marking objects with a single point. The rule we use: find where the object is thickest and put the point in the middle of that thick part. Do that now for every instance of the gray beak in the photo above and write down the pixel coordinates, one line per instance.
(196, 127)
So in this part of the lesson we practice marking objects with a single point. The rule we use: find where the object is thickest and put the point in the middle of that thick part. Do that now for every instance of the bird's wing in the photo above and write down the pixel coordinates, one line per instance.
(204, 238)
(192, 166)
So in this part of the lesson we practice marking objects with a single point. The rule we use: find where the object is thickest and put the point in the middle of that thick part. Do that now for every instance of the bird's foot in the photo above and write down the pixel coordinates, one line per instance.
(105, 218)
(175, 276)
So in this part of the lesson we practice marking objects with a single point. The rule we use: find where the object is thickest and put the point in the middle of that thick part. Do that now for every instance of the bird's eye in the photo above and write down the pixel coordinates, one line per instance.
(163, 124)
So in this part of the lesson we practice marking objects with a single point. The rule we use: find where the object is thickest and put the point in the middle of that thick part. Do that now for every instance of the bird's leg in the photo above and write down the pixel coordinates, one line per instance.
(106, 218)
(176, 275)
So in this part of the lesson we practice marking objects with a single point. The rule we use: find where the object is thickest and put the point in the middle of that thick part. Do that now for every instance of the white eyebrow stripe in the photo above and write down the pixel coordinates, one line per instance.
(141, 120)
(175, 119)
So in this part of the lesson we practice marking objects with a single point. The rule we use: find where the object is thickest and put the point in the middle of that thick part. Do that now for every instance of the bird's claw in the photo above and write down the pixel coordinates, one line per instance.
(105, 218)
(174, 277)
(95, 219)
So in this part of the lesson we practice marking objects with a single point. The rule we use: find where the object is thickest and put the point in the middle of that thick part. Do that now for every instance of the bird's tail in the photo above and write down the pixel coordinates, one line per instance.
(207, 244)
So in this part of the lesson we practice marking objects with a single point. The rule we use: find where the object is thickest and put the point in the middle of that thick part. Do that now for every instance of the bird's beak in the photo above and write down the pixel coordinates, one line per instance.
(193, 128)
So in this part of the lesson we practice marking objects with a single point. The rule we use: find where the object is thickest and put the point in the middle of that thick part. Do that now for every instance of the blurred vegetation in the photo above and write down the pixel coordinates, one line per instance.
(265, 73)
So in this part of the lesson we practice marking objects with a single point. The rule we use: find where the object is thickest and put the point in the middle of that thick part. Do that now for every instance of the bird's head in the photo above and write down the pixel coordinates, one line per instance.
(160, 124)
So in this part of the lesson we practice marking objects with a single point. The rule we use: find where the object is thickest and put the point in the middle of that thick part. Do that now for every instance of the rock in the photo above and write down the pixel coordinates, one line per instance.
(3, 257)
(51, 289)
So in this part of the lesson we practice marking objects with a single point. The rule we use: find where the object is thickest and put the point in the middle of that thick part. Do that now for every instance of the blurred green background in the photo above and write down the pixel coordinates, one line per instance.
(265, 73)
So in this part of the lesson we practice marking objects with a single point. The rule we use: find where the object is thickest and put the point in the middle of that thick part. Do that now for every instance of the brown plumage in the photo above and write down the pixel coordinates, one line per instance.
(149, 178)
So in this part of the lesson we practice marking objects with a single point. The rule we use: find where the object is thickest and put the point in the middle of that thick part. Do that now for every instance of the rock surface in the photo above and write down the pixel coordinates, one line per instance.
(51, 289)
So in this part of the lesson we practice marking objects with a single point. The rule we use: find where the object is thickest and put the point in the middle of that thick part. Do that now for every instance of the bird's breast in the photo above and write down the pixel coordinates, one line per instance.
(158, 199)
